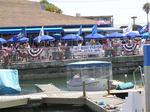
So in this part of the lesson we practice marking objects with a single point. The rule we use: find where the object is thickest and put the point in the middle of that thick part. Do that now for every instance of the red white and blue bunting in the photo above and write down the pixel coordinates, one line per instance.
(35, 52)
(129, 47)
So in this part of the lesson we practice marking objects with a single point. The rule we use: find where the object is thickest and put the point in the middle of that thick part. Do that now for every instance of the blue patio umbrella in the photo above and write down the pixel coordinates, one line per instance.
(23, 39)
(2, 40)
(44, 38)
(72, 37)
(11, 40)
(146, 35)
(15, 38)
(133, 34)
(115, 35)
(94, 36)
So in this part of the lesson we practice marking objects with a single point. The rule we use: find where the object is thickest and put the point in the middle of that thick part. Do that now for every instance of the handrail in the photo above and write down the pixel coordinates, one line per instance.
(140, 69)
(142, 75)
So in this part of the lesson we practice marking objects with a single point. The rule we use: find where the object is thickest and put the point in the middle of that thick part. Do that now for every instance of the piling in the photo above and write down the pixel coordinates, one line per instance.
(84, 89)
(147, 77)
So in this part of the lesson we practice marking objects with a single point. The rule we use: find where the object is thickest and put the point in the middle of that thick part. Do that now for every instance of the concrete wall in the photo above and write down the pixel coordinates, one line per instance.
(56, 68)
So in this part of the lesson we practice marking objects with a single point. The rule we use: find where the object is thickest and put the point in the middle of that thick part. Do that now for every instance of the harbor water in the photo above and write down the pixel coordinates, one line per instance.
(28, 86)
(49, 108)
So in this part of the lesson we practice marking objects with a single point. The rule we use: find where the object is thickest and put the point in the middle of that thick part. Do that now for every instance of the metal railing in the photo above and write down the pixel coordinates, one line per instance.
(141, 73)
(9, 56)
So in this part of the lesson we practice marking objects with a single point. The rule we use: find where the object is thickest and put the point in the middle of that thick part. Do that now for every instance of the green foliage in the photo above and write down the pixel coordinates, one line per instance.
(50, 7)
(146, 7)
(44, 2)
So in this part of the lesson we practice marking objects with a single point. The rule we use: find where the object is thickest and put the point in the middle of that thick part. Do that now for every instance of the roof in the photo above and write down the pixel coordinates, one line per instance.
(89, 64)
(15, 13)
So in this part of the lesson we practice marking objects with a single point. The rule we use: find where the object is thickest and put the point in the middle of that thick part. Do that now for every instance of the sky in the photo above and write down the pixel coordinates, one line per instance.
(121, 10)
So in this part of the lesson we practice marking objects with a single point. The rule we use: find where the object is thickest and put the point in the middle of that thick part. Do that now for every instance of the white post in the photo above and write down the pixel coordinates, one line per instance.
(147, 77)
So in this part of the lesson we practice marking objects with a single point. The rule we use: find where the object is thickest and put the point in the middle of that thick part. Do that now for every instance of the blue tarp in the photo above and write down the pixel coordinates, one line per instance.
(9, 83)
(124, 86)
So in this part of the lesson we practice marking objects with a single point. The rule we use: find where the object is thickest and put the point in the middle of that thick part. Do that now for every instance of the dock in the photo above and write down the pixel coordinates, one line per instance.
(50, 94)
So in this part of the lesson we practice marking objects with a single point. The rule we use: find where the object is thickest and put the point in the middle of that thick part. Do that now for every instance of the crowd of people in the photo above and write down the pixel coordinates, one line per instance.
(18, 52)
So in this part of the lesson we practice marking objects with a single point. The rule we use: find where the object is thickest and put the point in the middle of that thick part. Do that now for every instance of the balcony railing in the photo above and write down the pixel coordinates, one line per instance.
(9, 56)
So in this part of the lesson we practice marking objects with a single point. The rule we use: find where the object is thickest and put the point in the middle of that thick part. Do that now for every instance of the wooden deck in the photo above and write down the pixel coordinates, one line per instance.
(52, 95)
(47, 87)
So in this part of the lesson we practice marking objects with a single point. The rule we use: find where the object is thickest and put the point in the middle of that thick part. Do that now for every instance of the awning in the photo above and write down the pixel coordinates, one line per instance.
(53, 29)
(30, 30)
(89, 30)
(75, 30)
(110, 29)
(10, 31)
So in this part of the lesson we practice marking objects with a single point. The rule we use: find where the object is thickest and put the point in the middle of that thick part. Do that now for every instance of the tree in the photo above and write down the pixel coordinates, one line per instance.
(146, 8)
(50, 7)
(44, 2)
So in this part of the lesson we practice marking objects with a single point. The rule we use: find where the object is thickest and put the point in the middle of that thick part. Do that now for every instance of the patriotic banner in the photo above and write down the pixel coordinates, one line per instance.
(35, 52)
(86, 50)
(129, 47)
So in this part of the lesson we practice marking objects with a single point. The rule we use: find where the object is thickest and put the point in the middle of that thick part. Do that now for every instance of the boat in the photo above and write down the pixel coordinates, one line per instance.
(94, 75)
(9, 82)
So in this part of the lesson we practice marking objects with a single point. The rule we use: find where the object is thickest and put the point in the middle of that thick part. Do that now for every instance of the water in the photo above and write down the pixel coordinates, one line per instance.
(49, 108)
(129, 78)
(28, 86)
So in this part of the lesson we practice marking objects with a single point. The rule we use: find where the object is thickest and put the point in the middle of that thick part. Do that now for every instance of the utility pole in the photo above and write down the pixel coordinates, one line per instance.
(133, 26)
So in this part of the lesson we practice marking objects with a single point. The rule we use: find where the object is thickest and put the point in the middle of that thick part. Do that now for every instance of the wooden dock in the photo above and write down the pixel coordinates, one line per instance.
(50, 94)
